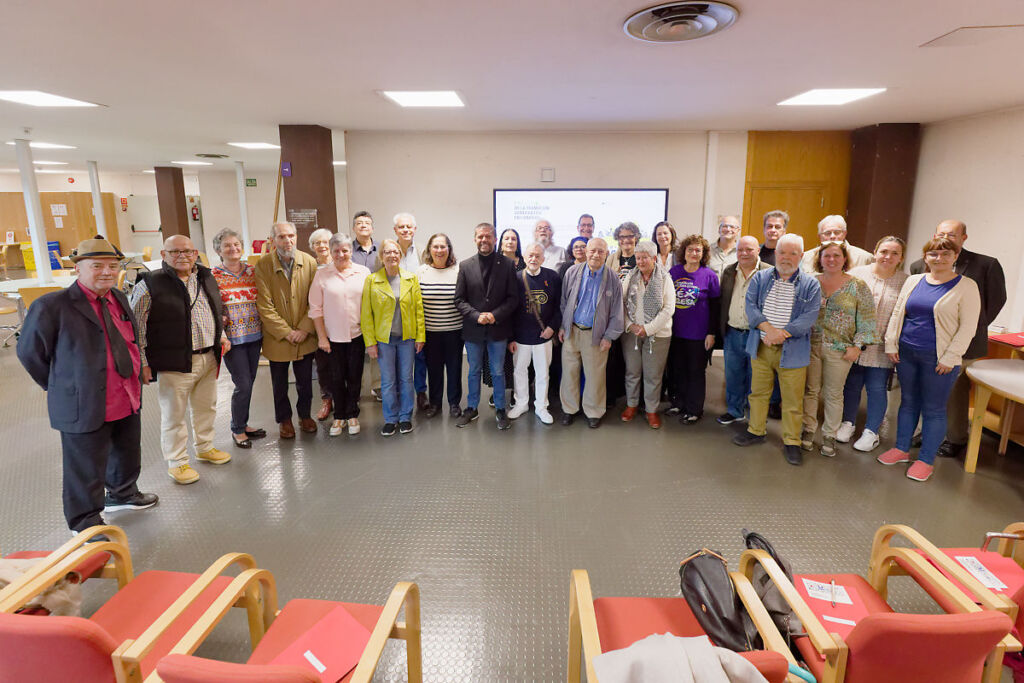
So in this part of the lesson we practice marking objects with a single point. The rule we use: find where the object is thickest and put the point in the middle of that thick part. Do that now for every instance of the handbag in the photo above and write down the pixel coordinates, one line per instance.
(709, 591)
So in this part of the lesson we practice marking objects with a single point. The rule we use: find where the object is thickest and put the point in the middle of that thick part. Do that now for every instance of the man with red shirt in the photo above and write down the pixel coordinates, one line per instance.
(79, 344)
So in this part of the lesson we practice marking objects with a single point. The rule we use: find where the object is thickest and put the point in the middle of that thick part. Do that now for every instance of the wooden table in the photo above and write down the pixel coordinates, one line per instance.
(1002, 377)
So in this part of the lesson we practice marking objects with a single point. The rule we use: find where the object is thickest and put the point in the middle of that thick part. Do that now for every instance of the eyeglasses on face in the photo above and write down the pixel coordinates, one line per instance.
(178, 253)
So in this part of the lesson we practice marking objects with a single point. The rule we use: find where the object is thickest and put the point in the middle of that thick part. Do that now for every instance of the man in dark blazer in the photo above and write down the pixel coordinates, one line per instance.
(988, 274)
(79, 345)
(732, 335)
(486, 295)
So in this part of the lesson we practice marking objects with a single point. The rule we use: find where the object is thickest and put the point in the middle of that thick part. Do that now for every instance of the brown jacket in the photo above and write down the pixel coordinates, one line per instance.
(284, 306)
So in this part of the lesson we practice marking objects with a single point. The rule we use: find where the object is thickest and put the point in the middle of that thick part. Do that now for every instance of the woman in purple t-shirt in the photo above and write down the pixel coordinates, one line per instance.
(693, 326)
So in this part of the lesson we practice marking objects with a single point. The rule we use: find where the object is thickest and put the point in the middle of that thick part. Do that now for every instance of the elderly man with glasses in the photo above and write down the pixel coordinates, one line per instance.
(833, 229)
(178, 309)
(723, 250)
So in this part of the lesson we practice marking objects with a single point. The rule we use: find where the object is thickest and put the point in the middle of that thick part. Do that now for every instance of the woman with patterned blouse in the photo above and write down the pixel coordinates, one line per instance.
(846, 325)
(885, 278)
(237, 282)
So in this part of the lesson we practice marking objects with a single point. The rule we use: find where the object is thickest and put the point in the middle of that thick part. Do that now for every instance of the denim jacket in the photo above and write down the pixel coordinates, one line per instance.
(796, 351)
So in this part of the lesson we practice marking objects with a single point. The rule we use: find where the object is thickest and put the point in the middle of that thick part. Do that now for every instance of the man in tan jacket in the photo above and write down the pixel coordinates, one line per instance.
(283, 278)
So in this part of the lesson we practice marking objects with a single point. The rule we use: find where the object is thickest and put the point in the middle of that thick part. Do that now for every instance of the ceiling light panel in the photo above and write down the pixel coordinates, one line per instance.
(830, 96)
(193, 163)
(254, 145)
(37, 98)
(424, 98)
(44, 145)
(37, 162)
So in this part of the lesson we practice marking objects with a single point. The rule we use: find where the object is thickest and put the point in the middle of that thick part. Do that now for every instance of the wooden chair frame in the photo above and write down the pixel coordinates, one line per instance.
(585, 642)
(831, 645)
(405, 594)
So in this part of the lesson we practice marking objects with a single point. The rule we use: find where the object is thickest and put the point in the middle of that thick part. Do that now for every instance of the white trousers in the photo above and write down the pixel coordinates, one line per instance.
(177, 393)
(540, 356)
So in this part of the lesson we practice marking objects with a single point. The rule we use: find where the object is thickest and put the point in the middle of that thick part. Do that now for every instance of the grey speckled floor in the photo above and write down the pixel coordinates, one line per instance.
(490, 524)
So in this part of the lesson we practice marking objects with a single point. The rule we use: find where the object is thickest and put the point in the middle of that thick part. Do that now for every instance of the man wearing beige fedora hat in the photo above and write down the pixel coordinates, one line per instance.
(80, 345)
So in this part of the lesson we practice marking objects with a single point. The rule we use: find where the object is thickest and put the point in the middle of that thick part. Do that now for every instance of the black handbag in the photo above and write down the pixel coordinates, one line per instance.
(782, 614)
(708, 589)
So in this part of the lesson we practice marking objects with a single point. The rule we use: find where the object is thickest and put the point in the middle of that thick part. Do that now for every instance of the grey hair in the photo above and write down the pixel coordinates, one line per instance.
(318, 234)
(647, 247)
(834, 219)
(533, 245)
(542, 220)
(219, 238)
(399, 216)
(339, 239)
(777, 213)
(790, 237)
(628, 226)
(273, 228)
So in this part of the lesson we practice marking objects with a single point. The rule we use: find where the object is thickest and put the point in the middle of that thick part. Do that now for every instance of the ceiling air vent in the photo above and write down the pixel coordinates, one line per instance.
(206, 155)
(678, 21)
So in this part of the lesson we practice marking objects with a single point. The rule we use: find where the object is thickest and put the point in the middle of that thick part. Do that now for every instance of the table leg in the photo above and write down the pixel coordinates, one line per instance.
(1006, 424)
(981, 396)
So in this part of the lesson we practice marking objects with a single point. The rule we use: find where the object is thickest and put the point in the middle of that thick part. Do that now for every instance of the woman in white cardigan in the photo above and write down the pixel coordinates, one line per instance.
(649, 299)
(931, 327)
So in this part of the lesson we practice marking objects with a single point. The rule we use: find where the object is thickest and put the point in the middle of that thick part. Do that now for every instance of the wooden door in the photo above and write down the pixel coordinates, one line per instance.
(804, 202)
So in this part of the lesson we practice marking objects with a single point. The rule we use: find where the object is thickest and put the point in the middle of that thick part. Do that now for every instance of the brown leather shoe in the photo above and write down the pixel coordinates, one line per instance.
(629, 413)
(308, 425)
(287, 430)
(326, 408)
(654, 420)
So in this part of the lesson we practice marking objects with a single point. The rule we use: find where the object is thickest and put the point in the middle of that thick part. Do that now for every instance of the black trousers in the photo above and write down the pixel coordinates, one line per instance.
(109, 458)
(690, 359)
(303, 370)
(324, 370)
(444, 354)
(346, 368)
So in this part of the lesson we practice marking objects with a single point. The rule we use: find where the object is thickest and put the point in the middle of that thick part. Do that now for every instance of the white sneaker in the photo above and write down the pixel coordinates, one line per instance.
(544, 416)
(868, 441)
(337, 428)
(845, 432)
(353, 426)
(518, 411)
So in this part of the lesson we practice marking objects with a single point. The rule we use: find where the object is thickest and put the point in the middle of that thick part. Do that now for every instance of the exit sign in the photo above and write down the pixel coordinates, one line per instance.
(250, 182)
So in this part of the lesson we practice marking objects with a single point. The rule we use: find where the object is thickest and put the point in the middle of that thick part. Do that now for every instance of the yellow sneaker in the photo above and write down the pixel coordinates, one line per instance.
(215, 456)
(183, 474)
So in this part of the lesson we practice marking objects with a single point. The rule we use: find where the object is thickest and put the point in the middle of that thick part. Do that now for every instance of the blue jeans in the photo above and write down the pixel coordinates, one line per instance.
(420, 375)
(496, 356)
(396, 359)
(242, 361)
(924, 393)
(737, 371)
(874, 380)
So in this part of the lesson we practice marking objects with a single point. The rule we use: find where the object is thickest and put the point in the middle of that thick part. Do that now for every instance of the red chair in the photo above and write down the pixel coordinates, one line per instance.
(605, 624)
(126, 636)
(297, 617)
(867, 642)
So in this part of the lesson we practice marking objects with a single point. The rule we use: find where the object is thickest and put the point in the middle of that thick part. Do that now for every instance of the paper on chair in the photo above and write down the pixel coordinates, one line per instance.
(980, 572)
(824, 591)
(837, 620)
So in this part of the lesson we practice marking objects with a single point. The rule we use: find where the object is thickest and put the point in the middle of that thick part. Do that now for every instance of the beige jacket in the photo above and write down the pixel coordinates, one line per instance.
(956, 320)
(284, 305)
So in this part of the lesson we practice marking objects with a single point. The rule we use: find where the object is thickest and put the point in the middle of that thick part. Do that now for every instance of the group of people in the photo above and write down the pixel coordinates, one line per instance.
(798, 328)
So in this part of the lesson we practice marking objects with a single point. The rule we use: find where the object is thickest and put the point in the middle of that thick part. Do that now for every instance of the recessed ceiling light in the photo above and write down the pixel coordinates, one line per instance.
(341, 163)
(254, 145)
(37, 98)
(193, 163)
(831, 96)
(50, 163)
(54, 171)
(148, 170)
(44, 145)
(424, 98)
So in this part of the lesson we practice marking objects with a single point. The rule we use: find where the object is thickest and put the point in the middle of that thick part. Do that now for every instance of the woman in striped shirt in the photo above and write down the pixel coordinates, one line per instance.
(438, 275)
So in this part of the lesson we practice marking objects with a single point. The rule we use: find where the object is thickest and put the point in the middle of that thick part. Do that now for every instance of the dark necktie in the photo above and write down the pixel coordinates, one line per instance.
(118, 347)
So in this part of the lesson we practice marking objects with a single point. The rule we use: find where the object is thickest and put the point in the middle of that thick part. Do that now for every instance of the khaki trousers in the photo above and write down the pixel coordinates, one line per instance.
(791, 384)
(645, 359)
(577, 352)
(826, 377)
(178, 392)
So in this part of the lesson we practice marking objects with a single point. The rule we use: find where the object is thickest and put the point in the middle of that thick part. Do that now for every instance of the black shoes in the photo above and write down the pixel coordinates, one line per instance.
(745, 438)
(688, 419)
(255, 433)
(468, 415)
(138, 501)
(775, 411)
(388, 429)
(674, 410)
(915, 440)
(405, 427)
(502, 419)
(421, 400)
(454, 410)
(567, 419)
(728, 419)
(948, 449)
(244, 443)
(793, 454)
(431, 411)
(593, 422)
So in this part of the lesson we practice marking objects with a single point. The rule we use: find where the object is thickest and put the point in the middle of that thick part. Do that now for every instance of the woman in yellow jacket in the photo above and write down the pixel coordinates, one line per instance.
(393, 330)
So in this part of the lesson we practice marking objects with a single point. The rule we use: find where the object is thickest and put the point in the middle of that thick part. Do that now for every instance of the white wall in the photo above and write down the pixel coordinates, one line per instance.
(973, 170)
(446, 179)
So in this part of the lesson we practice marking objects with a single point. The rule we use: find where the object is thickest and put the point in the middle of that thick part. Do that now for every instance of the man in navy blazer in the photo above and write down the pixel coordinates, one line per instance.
(79, 345)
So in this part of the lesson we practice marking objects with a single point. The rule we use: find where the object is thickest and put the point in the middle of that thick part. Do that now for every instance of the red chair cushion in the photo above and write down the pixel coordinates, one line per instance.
(54, 650)
(623, 621)
(298, 616)
(87, 569)
(131, 610)
(185, 669)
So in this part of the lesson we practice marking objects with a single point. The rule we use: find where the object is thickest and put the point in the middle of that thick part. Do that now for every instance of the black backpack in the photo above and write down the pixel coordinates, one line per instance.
(708, 589)
(784, 617)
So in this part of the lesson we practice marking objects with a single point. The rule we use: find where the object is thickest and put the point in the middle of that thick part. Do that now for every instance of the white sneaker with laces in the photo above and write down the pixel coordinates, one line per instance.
(518, 410)
(868, 441)
(845, 432)
(353, 426)
(544, 416)
(337, 427)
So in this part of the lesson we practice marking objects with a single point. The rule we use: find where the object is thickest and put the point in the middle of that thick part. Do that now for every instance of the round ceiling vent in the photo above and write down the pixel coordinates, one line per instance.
(208, 155)
(674, 22)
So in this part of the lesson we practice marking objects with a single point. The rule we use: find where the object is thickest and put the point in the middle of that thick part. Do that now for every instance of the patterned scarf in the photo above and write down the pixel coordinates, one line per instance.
(651, 301)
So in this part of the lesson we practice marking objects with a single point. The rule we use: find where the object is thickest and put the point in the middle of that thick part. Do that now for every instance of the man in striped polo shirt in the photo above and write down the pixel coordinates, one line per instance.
(782, 305)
